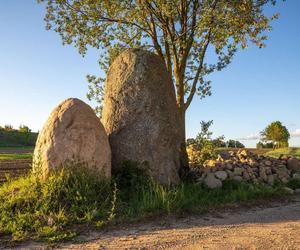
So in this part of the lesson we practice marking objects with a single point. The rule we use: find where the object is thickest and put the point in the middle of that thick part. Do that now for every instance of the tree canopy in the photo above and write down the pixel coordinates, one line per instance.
(277, 133)
(180, 32)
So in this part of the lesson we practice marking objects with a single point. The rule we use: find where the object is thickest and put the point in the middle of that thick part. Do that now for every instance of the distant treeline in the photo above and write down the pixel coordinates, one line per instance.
(10, 137)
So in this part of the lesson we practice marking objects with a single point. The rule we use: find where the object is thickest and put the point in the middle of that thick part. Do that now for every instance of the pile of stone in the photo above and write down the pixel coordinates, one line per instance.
(246, 166)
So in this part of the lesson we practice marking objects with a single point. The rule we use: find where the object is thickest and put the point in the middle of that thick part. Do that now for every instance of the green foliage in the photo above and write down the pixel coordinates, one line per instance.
(204, 144)
(181, 33)
(204, 148)
(277, 133)
(10, 137)
(261, 145)
(50, 209)
(24, 129)
(219, 142)
(234, 144)
(8, 127)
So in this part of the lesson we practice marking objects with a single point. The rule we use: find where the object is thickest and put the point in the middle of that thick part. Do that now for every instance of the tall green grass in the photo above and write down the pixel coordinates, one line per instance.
(51, 209)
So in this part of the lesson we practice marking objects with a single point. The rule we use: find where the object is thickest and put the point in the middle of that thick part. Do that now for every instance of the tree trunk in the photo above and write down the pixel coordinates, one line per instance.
(184, 163)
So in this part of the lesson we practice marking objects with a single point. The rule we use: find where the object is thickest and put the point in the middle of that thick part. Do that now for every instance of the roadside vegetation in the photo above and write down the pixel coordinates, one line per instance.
(54, 209)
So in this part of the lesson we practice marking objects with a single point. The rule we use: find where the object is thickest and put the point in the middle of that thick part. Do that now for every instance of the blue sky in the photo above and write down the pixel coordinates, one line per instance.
(260, 86)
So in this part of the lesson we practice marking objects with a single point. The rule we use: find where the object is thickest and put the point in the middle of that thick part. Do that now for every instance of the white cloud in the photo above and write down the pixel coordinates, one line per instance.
(250, 137)
(296, 133)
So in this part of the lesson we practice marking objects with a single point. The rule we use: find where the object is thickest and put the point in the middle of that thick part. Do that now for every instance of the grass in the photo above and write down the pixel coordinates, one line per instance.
(17, 156)
(295, 152)
(13, 150)
(52, 209)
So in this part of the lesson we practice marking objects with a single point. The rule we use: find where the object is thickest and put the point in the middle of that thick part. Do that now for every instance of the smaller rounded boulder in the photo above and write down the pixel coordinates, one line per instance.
(73, 134)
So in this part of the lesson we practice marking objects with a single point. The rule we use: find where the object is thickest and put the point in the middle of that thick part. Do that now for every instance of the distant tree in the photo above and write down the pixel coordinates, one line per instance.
(8, 127)
(190, 141)
(234, 144)
(180, 32)
(204, 144)
(261, 145)
(277, 133)
(219, 142)
(24, 129)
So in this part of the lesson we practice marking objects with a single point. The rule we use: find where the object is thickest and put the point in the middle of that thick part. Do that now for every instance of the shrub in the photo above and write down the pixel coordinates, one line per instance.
(202, 148)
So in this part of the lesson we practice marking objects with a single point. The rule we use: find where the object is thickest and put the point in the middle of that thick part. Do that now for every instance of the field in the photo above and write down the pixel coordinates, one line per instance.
(16, 150)
(14, 162)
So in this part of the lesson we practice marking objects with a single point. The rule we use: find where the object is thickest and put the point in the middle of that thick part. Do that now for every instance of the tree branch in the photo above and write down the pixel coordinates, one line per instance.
(196, 79)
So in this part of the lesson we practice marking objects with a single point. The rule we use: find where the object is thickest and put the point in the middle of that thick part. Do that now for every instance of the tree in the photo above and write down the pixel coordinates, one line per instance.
(180, 32)
(261, 145)
(219, 142)
(24, 129)
(204, 145)
(8, 127)
(234, 144)
(277, 133)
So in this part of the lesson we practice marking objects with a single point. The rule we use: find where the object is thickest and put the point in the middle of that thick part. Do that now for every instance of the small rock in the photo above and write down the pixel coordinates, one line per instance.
(246, 176)
(243, 153)
(288, 190)
(296, 176)
(210, 163)
(238, 178)
(262, 174)
(230, 174)
(238, 171)
(222, 175)
(268, 163)
(297, 191)
(293, 164)
(268, 170)
(225, 155)
(281, 171)
(212, 182)
(50, 221)
(284, 180)
(270, 179)
(229, 166)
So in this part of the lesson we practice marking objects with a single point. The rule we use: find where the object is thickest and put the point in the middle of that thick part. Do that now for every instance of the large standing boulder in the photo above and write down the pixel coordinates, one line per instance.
(72, 134)
(140, 114)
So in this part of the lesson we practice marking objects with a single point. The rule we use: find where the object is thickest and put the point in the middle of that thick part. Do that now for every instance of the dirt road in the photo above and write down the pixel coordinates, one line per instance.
(275, 226)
